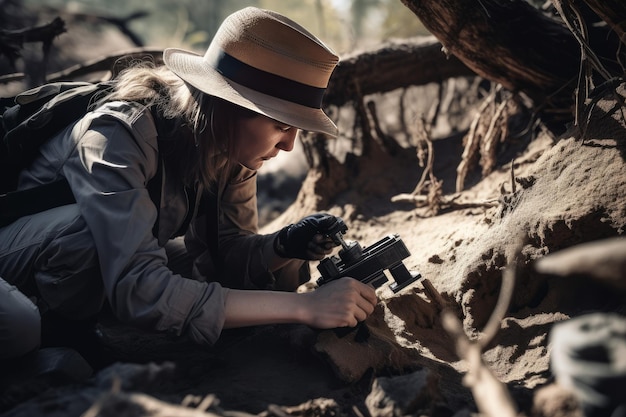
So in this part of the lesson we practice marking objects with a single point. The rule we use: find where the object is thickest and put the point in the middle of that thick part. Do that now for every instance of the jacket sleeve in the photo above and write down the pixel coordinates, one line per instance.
(108, 172)
(241, 256)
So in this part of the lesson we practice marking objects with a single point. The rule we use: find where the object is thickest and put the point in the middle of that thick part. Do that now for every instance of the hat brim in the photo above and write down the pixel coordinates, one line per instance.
(193, 69)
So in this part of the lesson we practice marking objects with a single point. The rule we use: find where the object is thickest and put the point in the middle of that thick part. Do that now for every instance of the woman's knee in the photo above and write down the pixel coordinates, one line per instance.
(20, 323)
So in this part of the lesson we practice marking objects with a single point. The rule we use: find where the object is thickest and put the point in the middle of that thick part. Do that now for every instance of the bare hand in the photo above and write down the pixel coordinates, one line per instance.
(341, 303)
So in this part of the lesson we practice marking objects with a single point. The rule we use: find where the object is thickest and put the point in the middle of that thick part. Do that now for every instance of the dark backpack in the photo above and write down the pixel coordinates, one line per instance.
(27, 121)
(34, 116)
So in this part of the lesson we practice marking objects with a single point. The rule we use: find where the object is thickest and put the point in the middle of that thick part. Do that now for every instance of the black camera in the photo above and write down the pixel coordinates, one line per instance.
(367, 264)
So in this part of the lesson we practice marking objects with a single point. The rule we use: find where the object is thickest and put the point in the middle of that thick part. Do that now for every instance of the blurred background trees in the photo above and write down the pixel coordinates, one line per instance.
(96, 28)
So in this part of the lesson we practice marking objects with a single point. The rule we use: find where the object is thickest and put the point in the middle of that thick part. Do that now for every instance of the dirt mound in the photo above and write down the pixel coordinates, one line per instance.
(571, 194)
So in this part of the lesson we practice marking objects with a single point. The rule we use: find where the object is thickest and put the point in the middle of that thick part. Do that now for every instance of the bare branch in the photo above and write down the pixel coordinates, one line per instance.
(44, 33)
(491, 396)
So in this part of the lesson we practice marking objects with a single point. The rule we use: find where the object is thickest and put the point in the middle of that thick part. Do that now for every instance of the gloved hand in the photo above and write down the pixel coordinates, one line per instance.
(308, 238)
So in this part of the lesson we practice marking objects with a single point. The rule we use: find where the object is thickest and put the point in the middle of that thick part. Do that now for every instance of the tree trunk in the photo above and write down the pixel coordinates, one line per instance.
(509, 42)
(415, 61)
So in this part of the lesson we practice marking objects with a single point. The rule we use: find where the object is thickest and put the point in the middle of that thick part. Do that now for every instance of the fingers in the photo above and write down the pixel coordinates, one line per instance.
(323, 241)
(367, 303)
(342, 303)
(368, 292)
(361, 312)
(326, 222)
(320, 247)
(364, 302)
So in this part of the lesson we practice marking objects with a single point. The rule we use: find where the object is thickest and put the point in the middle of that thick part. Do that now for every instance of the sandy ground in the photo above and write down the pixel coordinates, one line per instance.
(401, 361)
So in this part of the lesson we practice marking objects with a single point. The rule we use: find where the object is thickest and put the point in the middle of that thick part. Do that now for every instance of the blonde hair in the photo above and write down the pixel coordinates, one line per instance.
(207, 151)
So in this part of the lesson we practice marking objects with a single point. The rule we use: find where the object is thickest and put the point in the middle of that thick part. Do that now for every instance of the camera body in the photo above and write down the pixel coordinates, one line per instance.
(368, 264)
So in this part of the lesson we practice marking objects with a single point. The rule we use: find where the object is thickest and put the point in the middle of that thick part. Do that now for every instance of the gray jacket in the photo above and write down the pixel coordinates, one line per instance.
(108, 157)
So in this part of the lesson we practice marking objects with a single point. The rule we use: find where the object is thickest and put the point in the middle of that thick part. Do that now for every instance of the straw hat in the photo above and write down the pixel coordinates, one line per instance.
(264, 62)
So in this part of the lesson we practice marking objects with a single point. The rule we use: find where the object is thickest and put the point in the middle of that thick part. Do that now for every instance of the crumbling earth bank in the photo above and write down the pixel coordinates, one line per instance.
(573, 193)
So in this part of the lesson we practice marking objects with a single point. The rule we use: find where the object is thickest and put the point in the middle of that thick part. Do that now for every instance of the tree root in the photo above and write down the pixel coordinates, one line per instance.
(489, 127)
(445, 202)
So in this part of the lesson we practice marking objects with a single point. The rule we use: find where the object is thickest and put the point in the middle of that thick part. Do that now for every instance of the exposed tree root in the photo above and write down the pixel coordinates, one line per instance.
(428, 191)
(489, 127)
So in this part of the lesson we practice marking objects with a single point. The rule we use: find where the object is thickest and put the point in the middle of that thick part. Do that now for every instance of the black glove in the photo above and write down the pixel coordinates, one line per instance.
(296, 240)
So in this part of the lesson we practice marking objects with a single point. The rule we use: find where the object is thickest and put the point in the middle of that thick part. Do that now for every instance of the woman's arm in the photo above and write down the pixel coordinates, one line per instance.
(341, 303)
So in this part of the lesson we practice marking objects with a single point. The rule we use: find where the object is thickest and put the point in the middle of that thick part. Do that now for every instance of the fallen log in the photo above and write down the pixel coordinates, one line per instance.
(526, 49)
(393, 65)
(508, 42)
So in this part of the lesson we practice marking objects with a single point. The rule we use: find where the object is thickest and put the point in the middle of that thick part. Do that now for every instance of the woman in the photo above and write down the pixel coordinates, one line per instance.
(171, 154)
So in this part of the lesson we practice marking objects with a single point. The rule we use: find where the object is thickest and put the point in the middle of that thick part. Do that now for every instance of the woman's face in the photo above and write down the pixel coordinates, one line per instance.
(259, 138)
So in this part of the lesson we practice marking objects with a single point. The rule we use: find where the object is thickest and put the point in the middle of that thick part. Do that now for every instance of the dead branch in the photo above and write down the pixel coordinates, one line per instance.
(445, 203)
(588, 59)
(109, 64)
(135, 404)
(496, 132)
(423, 140)
(502, 305)
(492, 397)
(43, 33)
(434, 193)
(602, 260)
(389, 143)
(472, 142)
(362, 119)
(487, 129)
(603, 90)
(434, 295)
(571, 15)
(513, 186)
(612, 12)
(434, 198)
(121, 23)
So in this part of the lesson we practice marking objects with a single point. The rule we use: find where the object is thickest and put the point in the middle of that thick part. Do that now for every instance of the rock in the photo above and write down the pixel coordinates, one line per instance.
(402, 395)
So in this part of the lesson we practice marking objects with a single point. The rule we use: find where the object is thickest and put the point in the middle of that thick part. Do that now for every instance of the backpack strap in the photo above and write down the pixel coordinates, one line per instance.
(16, 204)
